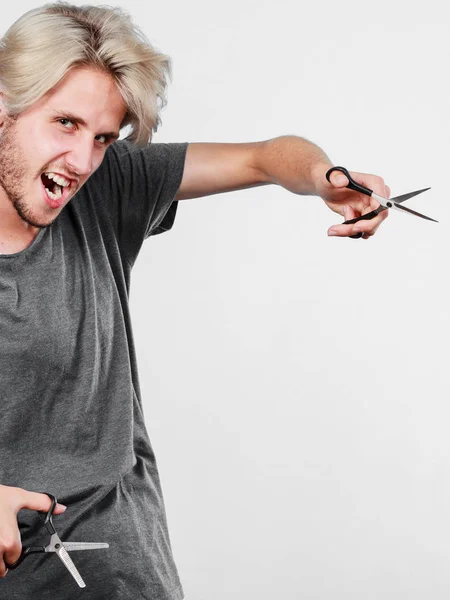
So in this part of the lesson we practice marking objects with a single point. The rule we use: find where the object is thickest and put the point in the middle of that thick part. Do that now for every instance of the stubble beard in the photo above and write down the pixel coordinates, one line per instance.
(13, 171)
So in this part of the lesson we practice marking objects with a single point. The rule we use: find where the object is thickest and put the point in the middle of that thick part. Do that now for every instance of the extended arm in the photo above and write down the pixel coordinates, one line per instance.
(289, 161)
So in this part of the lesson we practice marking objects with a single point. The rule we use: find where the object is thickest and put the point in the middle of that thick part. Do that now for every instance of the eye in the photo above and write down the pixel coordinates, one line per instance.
(103, 139)
(65, 122)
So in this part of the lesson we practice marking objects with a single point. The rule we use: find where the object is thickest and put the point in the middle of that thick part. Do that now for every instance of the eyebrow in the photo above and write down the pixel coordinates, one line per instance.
(64, 114)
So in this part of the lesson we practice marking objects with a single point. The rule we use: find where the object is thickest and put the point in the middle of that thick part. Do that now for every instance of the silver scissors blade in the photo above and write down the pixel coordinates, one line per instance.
(64, 556)
(57, 546)
(72, 546)
(394, 203)
(55, 542)
(404, 197)
(412, 212)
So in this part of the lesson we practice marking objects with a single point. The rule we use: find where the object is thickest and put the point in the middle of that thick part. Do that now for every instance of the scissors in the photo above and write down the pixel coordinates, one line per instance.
(62, 549)
(385, 203)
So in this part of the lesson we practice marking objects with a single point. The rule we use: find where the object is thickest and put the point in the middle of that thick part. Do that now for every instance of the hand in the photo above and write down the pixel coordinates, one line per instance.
(13, 499)
(351, 204)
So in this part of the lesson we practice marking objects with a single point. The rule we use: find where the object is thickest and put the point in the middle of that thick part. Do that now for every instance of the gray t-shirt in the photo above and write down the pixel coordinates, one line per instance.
(71, 420)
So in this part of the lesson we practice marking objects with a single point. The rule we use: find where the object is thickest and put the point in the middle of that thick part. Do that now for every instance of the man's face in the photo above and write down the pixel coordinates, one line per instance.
(49, 151)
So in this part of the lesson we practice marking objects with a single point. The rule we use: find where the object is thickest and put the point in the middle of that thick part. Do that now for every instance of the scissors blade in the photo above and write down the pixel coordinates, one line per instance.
(412, 212)
(64, 556)
(405, 197)
(72, 546)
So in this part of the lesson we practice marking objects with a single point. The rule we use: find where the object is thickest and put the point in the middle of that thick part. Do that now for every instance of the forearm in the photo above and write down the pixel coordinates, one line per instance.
(291, 162)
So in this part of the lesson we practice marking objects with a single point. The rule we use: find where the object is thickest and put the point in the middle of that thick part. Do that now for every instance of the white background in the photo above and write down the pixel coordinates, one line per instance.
(296, 386)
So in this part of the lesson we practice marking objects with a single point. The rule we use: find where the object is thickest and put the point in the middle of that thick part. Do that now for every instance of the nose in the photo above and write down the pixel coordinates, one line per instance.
(80, 156)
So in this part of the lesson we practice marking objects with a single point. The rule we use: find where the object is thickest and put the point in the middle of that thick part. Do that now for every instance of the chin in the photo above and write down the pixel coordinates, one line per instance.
(40, 221)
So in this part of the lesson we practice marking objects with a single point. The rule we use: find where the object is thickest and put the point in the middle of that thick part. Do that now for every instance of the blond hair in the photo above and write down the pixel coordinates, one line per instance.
(41, 47)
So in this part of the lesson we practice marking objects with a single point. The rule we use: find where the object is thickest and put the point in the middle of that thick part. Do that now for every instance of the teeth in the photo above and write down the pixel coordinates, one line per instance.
(53, 196)
(62, 181)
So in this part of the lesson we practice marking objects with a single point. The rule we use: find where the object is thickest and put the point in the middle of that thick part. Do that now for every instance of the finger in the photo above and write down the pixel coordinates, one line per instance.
(349, 212)
(3, 569)
(374, 221)
(373, 182)
(341, 230)
(369, 228)
(38, 501)
(12, 547)
(347, 231)
(59, 509)
(366, 227)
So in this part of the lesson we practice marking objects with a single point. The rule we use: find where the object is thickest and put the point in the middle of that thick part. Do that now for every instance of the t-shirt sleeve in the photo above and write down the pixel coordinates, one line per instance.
(139, 186)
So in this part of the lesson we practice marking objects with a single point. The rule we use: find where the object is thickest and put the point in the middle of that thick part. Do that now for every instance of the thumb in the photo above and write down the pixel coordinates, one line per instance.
(338, 179)
(40, 502)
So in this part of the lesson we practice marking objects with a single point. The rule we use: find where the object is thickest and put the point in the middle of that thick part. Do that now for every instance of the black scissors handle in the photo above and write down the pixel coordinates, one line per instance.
(46, 522)
(352, 184)
(25, 552)
(356, 187)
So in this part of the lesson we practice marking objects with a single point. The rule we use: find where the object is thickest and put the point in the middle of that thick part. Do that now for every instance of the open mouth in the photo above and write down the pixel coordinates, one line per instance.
(56, 188)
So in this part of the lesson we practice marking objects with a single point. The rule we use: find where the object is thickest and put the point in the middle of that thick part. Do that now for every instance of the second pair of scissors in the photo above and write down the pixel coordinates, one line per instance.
(385, 203)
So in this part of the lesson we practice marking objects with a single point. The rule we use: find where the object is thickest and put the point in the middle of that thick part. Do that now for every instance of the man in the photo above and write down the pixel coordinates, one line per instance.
(75, 208)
